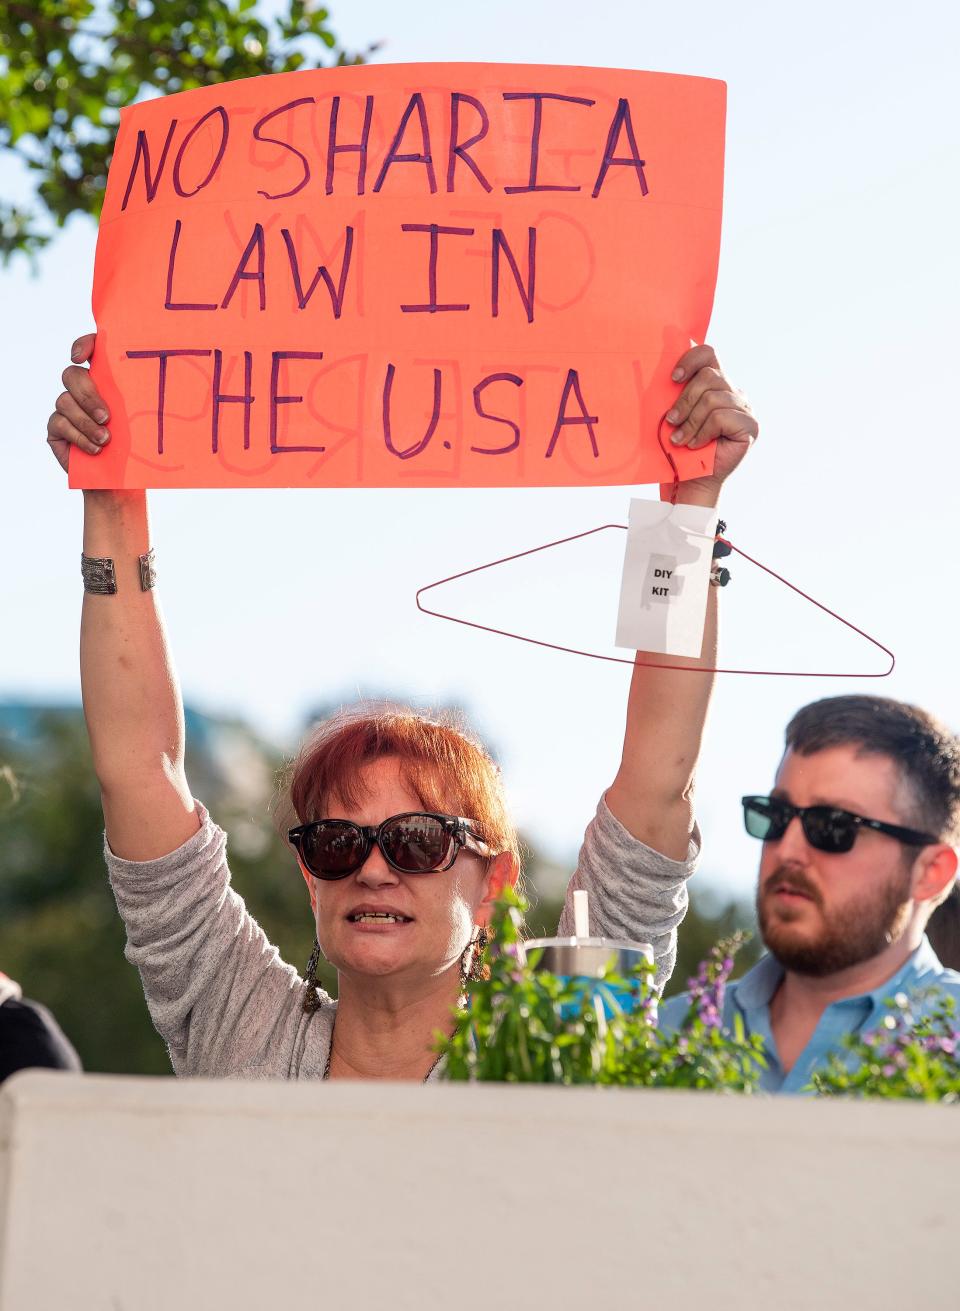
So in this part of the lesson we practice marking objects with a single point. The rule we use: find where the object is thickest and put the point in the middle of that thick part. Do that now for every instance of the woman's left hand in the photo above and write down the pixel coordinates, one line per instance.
(710, 408)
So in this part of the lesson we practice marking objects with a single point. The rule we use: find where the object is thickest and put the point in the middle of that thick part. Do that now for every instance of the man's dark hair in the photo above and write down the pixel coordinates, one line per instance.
(925, 751)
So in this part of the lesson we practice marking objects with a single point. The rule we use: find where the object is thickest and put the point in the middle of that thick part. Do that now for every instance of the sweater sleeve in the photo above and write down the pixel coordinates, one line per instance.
(636, 894)
(216, 989)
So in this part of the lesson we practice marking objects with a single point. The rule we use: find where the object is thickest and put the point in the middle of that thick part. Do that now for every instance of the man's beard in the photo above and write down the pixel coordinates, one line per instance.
(846, 938)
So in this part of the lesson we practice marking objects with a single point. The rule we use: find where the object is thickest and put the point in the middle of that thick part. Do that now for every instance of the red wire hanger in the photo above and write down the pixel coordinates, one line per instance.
(624, 660)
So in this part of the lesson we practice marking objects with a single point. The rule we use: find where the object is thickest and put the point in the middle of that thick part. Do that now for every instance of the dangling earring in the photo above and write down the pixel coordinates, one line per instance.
(311, 998)
(473, 966)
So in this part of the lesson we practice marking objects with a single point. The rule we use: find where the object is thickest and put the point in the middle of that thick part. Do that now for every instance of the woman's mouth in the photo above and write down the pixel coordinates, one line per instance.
(378, 918)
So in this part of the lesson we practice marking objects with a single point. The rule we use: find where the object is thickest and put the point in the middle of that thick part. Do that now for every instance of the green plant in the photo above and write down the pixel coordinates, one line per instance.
(913, 1053)
(523, 1025)
(67, 68)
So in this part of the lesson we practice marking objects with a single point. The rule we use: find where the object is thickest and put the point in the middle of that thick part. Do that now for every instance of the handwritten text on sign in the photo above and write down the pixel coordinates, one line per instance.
(418, 275)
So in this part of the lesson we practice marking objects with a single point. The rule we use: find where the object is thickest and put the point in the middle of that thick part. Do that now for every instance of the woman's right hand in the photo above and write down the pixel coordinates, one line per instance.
(80, 414)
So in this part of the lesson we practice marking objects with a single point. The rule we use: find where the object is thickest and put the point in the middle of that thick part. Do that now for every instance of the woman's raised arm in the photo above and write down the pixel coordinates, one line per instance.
(652, 794)
(641, 847)
(131, 698)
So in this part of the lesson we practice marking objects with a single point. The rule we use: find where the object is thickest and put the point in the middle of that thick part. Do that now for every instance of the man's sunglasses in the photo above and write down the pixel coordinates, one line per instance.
(825, 827)
(413, 843)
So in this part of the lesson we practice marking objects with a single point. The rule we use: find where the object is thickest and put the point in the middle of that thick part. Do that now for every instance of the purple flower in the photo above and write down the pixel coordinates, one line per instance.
(710, 1016)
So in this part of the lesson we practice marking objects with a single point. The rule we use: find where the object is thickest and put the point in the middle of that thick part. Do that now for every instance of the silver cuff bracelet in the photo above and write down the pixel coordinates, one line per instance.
(148, 574)
(100, 577)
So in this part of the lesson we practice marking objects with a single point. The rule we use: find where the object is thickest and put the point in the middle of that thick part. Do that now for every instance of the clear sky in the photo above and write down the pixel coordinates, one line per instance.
(835, 311)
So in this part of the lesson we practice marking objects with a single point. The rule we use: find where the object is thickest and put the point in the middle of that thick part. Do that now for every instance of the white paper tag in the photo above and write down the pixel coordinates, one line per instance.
(666, 575)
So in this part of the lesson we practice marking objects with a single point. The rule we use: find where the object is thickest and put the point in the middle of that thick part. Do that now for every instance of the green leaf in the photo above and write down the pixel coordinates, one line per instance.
(112, 54)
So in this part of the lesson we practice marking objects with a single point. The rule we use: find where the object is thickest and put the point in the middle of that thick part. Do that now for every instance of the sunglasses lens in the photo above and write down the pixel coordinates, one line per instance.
(332, 848)
(416, 843)
(829, 830)
(763, 818)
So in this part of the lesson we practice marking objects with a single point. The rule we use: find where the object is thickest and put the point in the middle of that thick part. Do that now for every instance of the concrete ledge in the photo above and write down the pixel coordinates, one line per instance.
(155, 1194)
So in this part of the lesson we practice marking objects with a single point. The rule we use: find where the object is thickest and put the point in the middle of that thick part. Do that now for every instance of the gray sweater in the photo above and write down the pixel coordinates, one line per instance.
(228, 1006)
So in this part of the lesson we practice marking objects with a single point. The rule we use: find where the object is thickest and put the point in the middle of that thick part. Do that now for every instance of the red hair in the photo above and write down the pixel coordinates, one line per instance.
(448, 770)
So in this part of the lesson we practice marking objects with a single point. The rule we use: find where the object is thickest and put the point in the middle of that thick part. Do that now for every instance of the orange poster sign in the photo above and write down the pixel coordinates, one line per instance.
(422, 275)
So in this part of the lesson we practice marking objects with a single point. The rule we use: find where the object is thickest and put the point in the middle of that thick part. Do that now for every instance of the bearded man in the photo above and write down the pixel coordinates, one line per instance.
(859, 840)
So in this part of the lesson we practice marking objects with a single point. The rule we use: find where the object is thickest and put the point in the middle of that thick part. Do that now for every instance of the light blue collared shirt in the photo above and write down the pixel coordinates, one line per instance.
(750, 998)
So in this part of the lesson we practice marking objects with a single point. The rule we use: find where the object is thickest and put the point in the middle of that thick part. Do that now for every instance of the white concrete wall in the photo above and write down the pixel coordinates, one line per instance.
(157, 1195)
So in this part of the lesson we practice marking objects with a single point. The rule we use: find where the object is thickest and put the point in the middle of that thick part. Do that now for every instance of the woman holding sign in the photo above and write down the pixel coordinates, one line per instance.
(402, 832)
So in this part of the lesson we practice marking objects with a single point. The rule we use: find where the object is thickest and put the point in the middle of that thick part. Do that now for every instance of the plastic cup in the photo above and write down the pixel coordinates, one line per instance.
(588, 959)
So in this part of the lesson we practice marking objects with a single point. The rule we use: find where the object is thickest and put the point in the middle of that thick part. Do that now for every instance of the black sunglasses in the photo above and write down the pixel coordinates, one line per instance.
(825, 827)
(414, 843)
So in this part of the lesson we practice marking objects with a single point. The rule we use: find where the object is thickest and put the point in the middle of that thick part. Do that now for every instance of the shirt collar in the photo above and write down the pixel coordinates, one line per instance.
(920, 962)
(925, 960)
(758, 985)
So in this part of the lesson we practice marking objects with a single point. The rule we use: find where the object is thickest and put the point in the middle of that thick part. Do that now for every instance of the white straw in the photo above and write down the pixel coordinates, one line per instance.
(581, 915)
